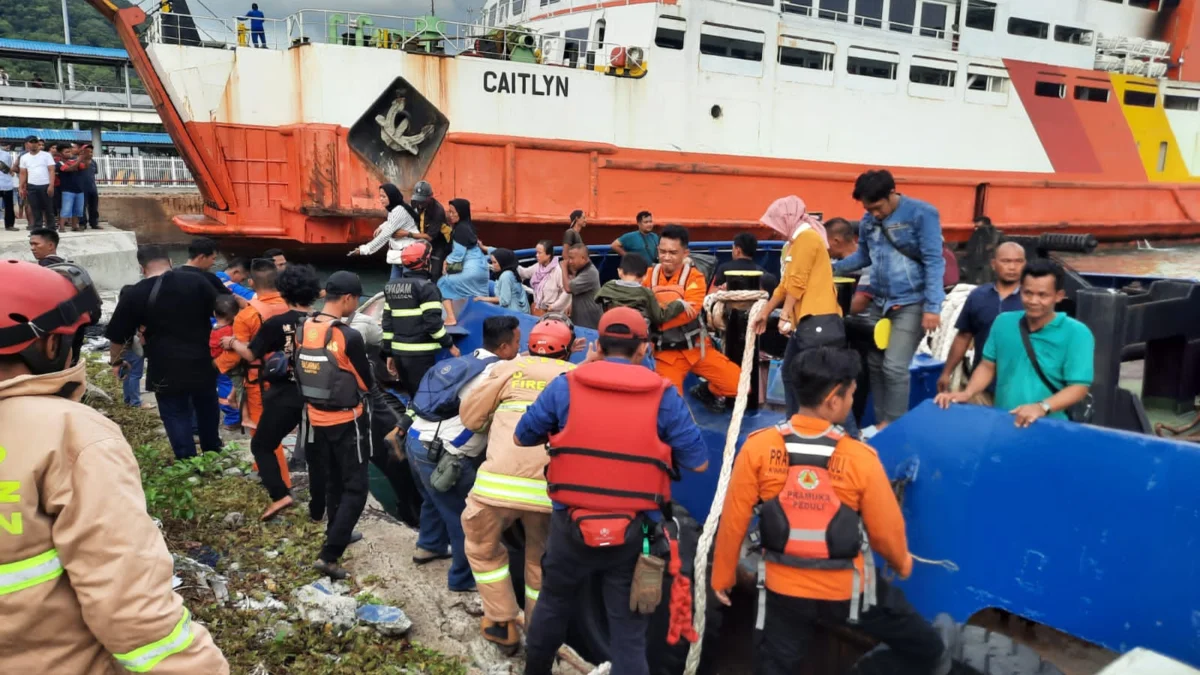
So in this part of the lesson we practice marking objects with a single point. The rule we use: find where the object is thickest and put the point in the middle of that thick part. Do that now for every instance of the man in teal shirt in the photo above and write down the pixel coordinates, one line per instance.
(642, 241)
(1064, 348)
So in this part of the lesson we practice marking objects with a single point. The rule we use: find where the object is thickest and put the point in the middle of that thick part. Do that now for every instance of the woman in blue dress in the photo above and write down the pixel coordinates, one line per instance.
(465, 271)
(510, 294)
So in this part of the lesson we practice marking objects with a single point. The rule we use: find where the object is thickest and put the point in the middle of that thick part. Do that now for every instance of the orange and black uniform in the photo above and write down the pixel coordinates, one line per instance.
(339, 431)
(795, 597)
(674, 359)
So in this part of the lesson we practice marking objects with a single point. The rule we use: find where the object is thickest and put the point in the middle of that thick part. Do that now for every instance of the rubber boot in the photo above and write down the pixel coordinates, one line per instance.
(503, 634)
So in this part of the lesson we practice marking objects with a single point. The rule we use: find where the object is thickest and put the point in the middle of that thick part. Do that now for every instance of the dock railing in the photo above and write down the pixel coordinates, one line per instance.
(143, 171)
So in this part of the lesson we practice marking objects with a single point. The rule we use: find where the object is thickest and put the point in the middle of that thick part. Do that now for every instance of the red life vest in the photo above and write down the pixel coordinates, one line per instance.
(608, 456)
(806, 525)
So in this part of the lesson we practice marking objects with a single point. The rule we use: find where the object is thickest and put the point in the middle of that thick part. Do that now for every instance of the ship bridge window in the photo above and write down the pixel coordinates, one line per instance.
(731, 43)
(1028, 28)
(933, 20)
(1050, 89)
(1142, 99)
(981, 15)
(902, 16)
(518, 7)
(671, 30)
(834, 10)
(1171, 102)
(932, 72)
(869, 13)
(1098, 94)
(802, 53)
(1075, 36)
(872, 63)
(802, 7)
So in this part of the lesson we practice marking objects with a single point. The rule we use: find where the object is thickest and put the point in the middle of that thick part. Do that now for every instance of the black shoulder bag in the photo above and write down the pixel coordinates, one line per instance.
(1081, 412)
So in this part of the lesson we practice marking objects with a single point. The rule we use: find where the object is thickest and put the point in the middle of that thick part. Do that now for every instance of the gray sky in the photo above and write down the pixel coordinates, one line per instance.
(454, 10)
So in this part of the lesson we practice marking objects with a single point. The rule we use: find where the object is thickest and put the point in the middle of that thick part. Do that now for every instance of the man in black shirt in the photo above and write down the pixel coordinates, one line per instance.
(176, 310)
(742, 273)
(282, 405)
(202, 255)
(431, 226)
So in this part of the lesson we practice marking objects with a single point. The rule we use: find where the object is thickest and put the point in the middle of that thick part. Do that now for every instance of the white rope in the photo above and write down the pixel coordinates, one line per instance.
(939, 342)
(700, 577)
(949, 565)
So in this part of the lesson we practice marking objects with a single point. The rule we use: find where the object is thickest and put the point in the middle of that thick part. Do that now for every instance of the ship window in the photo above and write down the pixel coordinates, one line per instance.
(805, 58)
(991, 83)
(902, 14)
(574, 44)
(1181, 102)
(867, 67)
(1144, 4)
(1027, 28)
(981, 15)
(1144, 99)
(504, 13)
(1075, 36)
(670, 33)
(1099, 94)
(1050, 89)
(768, 3)
(803, 7)
(518, 7)
(730, 48)
(933, 20)
(1162, 156)
(869, 13)
(836, 10)
(936, 76)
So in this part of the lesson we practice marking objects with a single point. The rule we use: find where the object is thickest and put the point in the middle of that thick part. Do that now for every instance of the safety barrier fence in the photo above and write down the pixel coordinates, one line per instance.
(143, 171)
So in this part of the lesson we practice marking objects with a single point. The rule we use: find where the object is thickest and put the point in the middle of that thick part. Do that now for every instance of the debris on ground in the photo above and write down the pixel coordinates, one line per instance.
(388, 620)
(317, 604)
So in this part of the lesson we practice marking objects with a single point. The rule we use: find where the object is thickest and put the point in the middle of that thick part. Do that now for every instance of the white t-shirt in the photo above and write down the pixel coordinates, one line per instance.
(7, 180)
(38, 167)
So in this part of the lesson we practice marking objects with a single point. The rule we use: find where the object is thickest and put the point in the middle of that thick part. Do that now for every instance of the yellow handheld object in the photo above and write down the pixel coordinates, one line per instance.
(883, 331)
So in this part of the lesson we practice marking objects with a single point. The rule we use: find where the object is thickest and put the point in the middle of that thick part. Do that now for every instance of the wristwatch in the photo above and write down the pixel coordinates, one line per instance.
(1045, 407)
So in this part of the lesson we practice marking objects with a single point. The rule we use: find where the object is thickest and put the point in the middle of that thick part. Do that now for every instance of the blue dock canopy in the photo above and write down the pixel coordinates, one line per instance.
(48, 51)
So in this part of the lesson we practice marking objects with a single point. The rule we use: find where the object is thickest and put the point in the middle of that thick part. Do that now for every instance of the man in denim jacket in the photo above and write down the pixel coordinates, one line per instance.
(906, 279)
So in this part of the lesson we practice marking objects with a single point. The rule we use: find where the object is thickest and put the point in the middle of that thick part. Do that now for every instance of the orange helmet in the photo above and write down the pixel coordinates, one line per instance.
(553, 335)
(55, 300)
(415, 256)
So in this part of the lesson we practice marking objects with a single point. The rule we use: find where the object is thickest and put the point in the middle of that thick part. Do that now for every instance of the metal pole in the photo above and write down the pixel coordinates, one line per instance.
(128, 91)
(67, 36)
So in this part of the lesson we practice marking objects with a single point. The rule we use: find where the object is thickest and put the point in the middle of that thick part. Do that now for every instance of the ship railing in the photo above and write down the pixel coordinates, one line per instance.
(143, 171)
(424, 34)
(798, 9)
(80, 96)
(195, 30)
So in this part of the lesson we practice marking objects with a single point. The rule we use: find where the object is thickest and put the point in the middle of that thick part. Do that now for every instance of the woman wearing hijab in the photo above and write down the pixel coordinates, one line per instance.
(546, 279)
(811, 314)
(396, 231)
(510, 294)
(465, 273)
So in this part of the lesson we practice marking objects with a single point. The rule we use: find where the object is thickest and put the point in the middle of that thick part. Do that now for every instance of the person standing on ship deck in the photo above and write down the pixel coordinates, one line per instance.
(901, 239)
(258, 36)
(574, 233)
(397, 231)
(431, 226)
(642, 241)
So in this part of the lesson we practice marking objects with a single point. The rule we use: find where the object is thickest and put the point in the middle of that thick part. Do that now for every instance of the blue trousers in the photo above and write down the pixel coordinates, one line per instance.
(441, 513)
(131, 387)
(231, 415)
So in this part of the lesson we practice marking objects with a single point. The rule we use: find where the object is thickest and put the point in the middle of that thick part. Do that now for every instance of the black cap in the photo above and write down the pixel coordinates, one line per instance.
(343, 283)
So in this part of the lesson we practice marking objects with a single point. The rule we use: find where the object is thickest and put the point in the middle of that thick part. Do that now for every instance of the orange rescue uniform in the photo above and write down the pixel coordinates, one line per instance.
(858, 479)
(245, 327)
(674, 364)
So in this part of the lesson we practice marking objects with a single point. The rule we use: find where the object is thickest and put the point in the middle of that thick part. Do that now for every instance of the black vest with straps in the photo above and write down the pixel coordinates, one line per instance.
(324, 383)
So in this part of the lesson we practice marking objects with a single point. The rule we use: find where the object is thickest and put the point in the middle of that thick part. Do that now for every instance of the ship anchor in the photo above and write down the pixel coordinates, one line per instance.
(392, 132)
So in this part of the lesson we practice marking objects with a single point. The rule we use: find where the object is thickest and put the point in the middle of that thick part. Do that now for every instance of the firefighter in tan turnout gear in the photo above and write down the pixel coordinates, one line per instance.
(511, 483)
(85, 577)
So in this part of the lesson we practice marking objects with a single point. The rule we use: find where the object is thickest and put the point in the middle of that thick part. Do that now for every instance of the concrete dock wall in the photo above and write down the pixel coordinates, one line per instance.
(109, 255)
(148, 212)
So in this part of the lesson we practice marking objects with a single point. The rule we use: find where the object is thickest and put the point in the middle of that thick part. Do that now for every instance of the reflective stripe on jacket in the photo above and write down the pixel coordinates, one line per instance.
(412, 317)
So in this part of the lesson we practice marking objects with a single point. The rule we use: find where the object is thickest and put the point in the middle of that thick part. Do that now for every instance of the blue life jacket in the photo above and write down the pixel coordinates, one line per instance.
(437, 394)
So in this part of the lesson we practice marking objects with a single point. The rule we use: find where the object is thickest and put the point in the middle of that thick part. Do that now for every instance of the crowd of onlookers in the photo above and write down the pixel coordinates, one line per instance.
(53, 187)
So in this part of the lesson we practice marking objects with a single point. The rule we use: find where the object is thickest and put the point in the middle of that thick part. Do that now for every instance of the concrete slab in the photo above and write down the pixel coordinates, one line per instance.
(108, 254)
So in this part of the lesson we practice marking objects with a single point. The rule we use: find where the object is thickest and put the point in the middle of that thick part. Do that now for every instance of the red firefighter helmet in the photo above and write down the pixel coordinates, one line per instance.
(415, 256)
(553, 335)
(55, 300)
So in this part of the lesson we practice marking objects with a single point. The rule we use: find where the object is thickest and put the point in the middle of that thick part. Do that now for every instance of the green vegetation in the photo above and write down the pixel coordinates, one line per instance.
(192, 499)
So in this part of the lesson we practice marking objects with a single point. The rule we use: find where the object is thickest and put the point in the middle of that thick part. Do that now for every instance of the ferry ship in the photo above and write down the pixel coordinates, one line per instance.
(1063, 116)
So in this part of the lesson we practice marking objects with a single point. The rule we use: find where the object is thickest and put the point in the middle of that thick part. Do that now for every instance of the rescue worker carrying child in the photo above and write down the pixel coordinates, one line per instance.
(609, 484)
(826, 501)
(72, 510)
(334, 377)
(511, 484)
